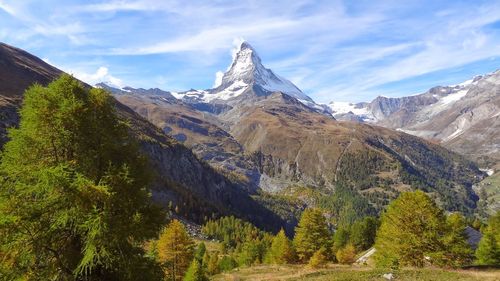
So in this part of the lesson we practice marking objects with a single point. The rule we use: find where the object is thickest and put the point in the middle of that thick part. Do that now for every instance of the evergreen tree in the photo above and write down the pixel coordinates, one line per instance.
(411, 230)
(311, 234)
(74, 199)
(340, 239)
(363, 232)
(281, 251)
(488, 250)
(456, 251)
(175, 250)
(195, 272)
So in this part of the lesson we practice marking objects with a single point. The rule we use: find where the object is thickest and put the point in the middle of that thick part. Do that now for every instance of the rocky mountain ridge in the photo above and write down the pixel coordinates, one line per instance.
(463, 117)
(284, 140)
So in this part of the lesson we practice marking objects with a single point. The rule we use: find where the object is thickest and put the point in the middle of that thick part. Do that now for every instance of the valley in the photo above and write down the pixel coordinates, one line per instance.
(244, 164)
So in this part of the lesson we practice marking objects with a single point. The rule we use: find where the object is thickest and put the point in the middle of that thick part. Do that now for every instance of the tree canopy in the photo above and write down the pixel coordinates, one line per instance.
(488, 250)
(414, 231)
(311, 234)
(74, 199)
(175, 250)
(281, 251)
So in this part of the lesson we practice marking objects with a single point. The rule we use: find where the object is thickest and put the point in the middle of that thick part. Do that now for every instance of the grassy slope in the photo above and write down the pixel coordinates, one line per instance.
(338, 272)
(491, 186)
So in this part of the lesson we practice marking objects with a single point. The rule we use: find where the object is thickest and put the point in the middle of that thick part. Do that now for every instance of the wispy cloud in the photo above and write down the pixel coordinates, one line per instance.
(333, 50)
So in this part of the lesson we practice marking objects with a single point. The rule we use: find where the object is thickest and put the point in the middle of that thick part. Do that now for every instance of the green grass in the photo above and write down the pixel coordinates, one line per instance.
(352, 273)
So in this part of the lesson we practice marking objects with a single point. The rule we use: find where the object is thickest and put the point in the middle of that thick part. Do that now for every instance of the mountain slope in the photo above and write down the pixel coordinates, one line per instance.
(291, 141)
(463, 117)
(181, 177)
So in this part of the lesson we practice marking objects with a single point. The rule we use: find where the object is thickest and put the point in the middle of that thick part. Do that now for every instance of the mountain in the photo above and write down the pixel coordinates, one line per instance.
(464, 118)
(197, 189)
(246, 74)
(281, 139)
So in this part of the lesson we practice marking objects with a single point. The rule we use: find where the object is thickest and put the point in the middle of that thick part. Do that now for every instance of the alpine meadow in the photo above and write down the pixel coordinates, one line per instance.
(370, 151)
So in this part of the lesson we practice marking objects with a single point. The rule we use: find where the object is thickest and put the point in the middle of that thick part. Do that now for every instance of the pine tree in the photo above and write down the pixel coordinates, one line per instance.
(488, 250)
(175, 250)
(281, 251)
(195, 272)
(411, 230)
(74, 199)
(311, 234)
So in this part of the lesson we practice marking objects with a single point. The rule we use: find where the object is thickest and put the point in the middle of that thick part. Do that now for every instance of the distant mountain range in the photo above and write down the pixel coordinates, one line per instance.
(245, 146)
(464, 118)
(262, 129)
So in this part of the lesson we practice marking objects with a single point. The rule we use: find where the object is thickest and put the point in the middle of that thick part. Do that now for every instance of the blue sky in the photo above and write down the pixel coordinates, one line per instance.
(332, 50)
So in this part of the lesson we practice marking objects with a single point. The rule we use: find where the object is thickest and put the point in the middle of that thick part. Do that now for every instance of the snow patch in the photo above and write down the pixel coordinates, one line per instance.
(452, 98)
(234, 90)
(347, 107)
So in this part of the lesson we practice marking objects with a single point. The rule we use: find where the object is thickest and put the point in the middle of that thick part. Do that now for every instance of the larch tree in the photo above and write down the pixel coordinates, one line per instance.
(318, 259)
(281, 251)
(311, 234)
(175, 250)
(414, 231)
(488, 250)
(363, 232)
(74, 198)
(456, 250)
(200, 252)
(340, 238)
(195, 272)
(346, 255)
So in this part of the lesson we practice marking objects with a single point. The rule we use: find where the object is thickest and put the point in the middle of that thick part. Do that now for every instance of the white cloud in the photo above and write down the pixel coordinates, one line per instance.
(333, 50)
(100, 75)
(218, 79)
(211, 39)
(114, 6)
(236, 46)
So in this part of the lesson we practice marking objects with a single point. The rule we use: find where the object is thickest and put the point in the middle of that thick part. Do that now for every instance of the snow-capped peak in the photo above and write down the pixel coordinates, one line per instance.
(246, 70)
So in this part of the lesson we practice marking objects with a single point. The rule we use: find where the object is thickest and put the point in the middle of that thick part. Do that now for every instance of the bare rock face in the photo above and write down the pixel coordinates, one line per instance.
(463, 117)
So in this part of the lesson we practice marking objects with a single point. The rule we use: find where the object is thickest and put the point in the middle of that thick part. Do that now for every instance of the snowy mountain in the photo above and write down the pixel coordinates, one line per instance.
(246, 72)
(463, 117)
